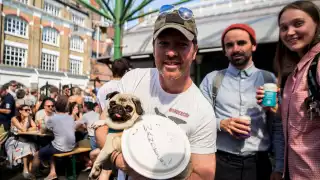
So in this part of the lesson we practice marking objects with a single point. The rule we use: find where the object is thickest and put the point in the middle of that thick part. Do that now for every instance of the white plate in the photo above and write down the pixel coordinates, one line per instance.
(156, 147)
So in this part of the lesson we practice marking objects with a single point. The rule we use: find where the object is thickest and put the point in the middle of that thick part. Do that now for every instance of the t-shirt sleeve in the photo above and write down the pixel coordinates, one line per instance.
(83, 120)
(131, 80)
(203, 138)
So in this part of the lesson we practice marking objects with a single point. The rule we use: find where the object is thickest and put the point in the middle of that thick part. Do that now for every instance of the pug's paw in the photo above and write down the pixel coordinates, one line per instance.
(95, 172)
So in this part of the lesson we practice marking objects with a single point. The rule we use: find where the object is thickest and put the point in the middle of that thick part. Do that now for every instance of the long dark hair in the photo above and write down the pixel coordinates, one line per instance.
(71, 106)
(19, 115)
(285, 59)
(44, 101)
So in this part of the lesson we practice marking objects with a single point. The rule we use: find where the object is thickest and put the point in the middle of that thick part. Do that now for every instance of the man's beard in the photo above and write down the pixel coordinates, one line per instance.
(242, 61)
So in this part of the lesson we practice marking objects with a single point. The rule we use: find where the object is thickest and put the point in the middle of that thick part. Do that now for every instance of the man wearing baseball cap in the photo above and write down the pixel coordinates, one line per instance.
(168, 90)
(245, 132)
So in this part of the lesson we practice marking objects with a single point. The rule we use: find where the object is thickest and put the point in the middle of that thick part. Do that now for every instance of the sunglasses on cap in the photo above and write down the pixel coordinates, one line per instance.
(185, 13)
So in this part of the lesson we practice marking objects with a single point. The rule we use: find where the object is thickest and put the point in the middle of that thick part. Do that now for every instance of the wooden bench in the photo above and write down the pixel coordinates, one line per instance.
(82, 146)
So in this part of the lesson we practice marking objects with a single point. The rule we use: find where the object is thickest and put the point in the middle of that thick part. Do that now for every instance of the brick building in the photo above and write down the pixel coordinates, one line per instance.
(45, 41)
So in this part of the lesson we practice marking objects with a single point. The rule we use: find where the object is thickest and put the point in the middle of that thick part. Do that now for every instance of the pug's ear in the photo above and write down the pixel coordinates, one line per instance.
(138, 105)
(110, 95)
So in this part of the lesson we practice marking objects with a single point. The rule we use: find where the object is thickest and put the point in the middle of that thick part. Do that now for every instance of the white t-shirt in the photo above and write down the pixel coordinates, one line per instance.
(190, 110)
(107, 88)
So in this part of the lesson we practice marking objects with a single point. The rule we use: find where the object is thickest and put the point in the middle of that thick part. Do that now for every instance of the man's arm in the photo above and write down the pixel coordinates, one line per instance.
(5, 111)
(204, 166)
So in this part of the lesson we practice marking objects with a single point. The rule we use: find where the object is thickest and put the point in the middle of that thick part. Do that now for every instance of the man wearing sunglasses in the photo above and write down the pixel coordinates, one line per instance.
(243, 145)
(168, 90)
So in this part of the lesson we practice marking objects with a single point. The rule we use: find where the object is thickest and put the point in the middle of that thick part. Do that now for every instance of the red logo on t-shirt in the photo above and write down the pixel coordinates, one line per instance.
(179, 112)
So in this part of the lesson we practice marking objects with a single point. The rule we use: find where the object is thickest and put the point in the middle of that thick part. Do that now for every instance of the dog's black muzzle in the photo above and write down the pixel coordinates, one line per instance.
(118, 113)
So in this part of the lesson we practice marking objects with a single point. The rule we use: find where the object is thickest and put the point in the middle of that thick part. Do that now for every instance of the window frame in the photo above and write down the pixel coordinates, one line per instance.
(50, 53)
(19, 20)
(47, 28)
(21, 46)
(72, 59)
(54, 5)
(71, 46)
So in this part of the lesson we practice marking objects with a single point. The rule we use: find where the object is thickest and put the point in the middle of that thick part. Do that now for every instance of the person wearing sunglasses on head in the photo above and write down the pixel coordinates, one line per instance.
(169, 86)
(19, 148)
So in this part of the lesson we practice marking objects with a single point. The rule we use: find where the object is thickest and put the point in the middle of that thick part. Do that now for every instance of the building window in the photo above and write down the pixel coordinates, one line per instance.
(50, 35)
(75, 66)
(16, 26)
(76, 44)
(51, 9)
(49, 62)
(23, 1)
(14, 56)
(77, 19)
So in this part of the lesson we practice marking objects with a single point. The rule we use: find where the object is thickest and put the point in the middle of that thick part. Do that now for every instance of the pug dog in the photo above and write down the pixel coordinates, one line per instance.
(123, 112)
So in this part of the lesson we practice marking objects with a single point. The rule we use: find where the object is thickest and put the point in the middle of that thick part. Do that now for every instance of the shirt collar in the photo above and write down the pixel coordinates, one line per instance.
(243, 73)
(308, 56)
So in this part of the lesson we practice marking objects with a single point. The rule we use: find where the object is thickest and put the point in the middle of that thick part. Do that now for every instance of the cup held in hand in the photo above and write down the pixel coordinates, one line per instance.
(270, 95)
(245, 136)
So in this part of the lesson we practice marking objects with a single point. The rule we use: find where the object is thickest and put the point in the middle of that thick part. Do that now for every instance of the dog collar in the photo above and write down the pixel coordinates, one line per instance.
(114, 131)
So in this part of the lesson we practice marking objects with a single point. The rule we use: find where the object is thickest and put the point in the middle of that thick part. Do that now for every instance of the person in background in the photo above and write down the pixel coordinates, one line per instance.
(46, 110)
(54, 93)
(96, 108)
(20, 98)
(77, 98)
(74, 111)
(13, 85)
(97, 84)
(41, 97)
(119, 68)
(85, 122)
(18, 148)
(63, 126)
(297, 49)
(31, 98)
(7, 107)
(87, 96)
(65, 92)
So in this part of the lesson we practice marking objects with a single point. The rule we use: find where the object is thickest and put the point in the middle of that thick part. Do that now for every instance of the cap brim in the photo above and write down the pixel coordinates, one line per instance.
(185, 32)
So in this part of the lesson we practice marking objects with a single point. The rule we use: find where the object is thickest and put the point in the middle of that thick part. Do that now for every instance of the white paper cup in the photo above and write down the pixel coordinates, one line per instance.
(156, 147)
(248, 118)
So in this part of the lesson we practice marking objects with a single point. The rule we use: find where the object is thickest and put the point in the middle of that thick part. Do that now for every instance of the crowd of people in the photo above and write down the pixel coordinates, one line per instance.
(231, 133)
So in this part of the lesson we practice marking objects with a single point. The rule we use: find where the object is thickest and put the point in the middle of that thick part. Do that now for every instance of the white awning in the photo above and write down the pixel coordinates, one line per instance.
(262, 18)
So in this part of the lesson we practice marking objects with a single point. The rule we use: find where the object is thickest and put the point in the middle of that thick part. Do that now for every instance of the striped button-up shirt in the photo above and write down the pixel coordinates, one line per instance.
(301, 134)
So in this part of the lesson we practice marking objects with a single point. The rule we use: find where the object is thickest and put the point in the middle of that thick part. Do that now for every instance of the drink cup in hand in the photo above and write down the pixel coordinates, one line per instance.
(244, 136)
(270, 95)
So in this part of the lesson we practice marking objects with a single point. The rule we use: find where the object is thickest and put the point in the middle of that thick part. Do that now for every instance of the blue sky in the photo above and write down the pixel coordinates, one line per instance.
(155, 5)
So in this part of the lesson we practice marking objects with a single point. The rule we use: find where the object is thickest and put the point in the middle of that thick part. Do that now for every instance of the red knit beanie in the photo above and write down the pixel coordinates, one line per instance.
(244, 27)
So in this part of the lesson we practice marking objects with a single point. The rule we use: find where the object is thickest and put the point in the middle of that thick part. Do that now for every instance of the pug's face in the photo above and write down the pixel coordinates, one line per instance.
(123, 107)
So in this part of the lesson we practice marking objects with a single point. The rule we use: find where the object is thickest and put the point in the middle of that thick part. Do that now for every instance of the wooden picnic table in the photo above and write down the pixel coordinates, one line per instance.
(81, 147)
(34, 133)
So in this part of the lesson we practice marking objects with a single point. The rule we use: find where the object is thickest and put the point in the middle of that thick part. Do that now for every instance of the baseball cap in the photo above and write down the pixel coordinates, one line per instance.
(173, 20)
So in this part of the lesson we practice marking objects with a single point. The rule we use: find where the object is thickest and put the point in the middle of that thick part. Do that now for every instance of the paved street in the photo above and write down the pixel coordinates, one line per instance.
(15, 174)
